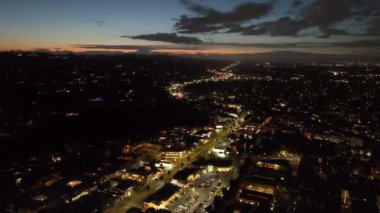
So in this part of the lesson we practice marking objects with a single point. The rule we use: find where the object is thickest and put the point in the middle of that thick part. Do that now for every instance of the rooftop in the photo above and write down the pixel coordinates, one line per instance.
(185, 173)
(142, 171)
(213, 162)
(125, 184)
(162, 194)
(255, 196)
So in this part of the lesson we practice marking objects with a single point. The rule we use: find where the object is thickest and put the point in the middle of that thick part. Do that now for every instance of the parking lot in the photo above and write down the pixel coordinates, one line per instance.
(196, 196)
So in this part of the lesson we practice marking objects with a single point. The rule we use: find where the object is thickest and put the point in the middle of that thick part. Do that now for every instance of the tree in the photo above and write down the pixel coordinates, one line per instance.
(218, 204)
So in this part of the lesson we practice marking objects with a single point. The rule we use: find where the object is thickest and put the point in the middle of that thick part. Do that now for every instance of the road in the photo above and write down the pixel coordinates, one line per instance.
(177, 89)
(139, 195)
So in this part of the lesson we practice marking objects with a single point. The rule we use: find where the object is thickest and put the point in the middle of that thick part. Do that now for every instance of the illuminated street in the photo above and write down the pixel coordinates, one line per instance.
(137, 197)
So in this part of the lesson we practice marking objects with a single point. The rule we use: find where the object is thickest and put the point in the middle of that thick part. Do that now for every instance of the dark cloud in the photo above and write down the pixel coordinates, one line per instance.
(167, 37)
(282, 27)
(324, 15)
(211, 20)
(108, 47)
(357, 44)
(196, 25)
(296, 3)
(360, 43)
(197, 8)
(327, 32)
(374, 27)
(327, 12)
(141, 49)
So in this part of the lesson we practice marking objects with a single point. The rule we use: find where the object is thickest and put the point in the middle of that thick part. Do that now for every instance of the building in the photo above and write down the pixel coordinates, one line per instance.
(162, 198)
(123, 187)
(259, 184)
(217, 165)
(278, 165)
(141, 174)
(203, 133)
(174, 153)
(185, 175)
(280, 170)
(257, 191)
(254, 198)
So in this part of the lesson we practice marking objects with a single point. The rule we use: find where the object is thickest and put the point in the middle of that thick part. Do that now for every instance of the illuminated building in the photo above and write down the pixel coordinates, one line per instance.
(142, 174)
(345, 196)
(259, 184)
(186, 175)
(274, 164)
(204, 133)
(162, 198)
(73, 183)
(254, 198)
(268, 165)
(217, 165)
(173, 153)
(257, 191)
(125, 187)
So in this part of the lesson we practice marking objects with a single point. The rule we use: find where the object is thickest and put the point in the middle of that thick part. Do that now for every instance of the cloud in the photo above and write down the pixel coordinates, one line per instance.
(307, 45)
(360, 43)
(327, 32)
(197, 8)
(141, 49)
(374, 27)
(296, 3)
(327, 12)
(108, 47)
(325, 15)
(284, 26)
(99, 22)
(211, 20)
(167, 37)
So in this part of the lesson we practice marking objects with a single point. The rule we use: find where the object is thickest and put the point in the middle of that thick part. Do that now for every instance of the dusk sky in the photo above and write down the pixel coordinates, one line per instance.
(192, 26)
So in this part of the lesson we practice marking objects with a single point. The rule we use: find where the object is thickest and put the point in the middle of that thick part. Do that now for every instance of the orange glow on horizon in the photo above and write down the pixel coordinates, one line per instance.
(179, 51)
(204, 51)
(78, 49)
(71, 49)
(176, 51)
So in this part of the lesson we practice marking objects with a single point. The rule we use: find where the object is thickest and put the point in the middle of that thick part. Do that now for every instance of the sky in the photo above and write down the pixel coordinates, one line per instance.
(192, 26)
